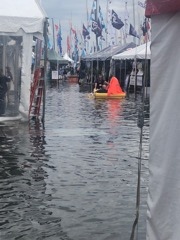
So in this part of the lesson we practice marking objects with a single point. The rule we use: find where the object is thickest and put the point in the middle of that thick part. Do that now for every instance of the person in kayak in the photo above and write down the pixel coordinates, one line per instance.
(100, 85)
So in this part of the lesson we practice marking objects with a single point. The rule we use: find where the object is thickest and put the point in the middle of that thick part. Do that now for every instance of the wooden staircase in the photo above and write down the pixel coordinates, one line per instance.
(36, 94)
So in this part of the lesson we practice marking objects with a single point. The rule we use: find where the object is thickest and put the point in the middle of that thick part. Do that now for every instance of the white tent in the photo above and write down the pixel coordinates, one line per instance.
(66, 57)
(140, 52)
(163, 215)
(24, 18)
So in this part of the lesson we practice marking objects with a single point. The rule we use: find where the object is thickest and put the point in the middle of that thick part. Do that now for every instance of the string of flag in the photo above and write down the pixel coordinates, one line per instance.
(96, 24)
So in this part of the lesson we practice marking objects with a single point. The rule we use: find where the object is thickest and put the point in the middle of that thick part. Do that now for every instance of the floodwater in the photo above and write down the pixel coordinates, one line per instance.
(75, 180)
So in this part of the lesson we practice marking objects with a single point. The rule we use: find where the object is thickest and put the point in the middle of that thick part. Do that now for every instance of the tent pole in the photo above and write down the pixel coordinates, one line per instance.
(91, 76)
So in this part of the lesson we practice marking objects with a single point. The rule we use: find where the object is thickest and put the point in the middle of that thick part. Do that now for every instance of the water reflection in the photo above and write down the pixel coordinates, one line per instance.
(77, 178)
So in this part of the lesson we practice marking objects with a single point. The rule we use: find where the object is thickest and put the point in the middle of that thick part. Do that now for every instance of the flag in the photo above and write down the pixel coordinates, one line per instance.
(144, 28)
(101, 18)
(56, 27)
(85, 32)
(132, 31)
(116, 21)
(73, 31)
(68, 45)
(141, 4)
(75, 52)
(49, 46)
(83, 52)
(96, 27)
(59, 40)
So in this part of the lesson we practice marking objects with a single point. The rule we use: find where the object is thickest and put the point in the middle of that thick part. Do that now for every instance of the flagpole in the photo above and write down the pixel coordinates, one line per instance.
(134, 19)
(53, 34)
(96, 18)
(125, 20)
(107, 11)
(87, 15)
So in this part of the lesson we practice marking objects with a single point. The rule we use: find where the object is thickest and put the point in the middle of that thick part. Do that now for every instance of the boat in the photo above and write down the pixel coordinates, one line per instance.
(106, 95)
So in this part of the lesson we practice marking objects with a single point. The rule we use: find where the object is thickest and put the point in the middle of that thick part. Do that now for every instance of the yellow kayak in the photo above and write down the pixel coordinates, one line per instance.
(105, 95)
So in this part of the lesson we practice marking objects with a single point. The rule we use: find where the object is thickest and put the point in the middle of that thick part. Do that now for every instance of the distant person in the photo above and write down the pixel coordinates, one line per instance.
(3, 90)
(33, 60)
(10, 77)
(81, 76)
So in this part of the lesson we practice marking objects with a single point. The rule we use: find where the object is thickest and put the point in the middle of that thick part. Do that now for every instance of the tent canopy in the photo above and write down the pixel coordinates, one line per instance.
(24, 20)
(137, 52)
(66, 57)
(108, 52)
(53, 56)
(19, 14)
(95, 55)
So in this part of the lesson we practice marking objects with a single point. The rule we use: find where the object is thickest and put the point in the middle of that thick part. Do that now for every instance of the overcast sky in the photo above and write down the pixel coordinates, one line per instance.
(75, 12)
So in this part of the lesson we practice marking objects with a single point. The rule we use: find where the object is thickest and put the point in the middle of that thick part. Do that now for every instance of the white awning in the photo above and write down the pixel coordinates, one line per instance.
(141, 52)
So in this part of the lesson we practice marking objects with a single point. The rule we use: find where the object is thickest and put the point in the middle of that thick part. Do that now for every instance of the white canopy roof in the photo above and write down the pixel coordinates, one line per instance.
(137, 52)
(66, 57)
(21, 14)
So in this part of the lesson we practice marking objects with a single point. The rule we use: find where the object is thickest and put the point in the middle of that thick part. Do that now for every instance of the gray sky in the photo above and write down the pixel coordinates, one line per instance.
(75, 12)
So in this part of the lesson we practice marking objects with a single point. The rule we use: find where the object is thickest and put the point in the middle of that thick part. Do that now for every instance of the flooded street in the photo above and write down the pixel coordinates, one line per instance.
(76, 180)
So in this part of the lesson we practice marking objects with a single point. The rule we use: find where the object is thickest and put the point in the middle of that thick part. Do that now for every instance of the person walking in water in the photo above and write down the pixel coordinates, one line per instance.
(10, 77)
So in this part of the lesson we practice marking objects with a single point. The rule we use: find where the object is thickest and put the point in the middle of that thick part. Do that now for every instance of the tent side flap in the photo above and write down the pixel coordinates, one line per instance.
(163, 216)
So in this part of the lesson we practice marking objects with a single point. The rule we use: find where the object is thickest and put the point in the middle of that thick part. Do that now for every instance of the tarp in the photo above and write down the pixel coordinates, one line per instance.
(114, 87)
(163, 216)
(23, 18)
(140, 52)
(108, 52)
(154, 7)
